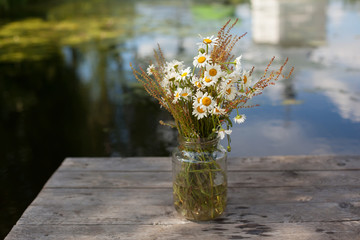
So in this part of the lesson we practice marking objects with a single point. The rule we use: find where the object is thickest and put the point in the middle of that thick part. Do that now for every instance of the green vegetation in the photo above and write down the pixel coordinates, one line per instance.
(72, 23)
(213, 11)
(196, 196)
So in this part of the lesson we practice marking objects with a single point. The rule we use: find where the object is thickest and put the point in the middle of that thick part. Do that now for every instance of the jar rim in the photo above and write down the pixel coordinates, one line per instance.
(198, 140)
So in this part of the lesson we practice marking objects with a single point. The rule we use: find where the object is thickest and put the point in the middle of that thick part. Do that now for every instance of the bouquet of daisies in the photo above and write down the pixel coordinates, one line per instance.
(201, 97)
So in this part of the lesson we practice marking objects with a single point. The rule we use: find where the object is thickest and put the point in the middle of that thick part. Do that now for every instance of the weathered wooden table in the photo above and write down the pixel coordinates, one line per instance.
(291, 197)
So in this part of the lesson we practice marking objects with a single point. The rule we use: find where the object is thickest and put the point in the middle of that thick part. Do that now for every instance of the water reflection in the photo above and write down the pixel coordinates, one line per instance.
(177, 25)
(343, 90)
(297, 138)
(342, 49)
(66, 87)
(39, 127)
(289, 23)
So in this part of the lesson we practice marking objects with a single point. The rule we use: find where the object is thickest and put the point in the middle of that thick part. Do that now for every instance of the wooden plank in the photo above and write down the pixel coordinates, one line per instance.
(145, 206)
(141, 207)
(290, 197)
(236, 196)
(107, 179)
(117, 164)
(299, 163)
(161, 214)
(234, 164)
(191, 231)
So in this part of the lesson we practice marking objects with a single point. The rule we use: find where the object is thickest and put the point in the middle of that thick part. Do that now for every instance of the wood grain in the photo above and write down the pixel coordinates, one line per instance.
(279, 197)
(290, 178)
(191, 231)
(234, 164)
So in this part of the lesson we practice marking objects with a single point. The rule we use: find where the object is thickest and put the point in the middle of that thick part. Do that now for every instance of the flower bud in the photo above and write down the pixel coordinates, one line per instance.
(201, 50)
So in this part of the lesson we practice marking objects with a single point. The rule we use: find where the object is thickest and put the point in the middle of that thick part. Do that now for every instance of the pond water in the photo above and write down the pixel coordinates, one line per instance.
(66, 87)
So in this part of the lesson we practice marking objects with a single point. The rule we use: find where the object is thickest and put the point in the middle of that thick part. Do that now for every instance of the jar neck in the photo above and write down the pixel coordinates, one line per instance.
(196, 144)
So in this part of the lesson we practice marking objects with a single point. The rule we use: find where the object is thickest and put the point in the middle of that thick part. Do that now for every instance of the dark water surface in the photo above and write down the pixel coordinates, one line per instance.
(66, 87)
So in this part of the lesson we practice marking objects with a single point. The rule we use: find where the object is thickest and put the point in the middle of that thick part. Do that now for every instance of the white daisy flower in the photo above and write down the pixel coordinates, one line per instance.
(246, 80)
(222, 132)
(197, 97)
(230, 92)
(238, 66)
(169, 78)
(167, 68)
(207, 102)
(213, 72)
(201, 60)
(219, 111)
(185, 73)
(197, 83)
(186, 93)
(226, 81)
(208, 41)
(240, 118)
(151, 69)
(208, 81)
(174, 66)
(234, 76)
(199, 111)
(177, 95)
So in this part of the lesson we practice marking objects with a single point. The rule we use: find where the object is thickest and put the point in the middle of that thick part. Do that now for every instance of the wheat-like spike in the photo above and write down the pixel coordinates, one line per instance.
(221, 31)
(182, 112)
(268, 66)
(159, 56)
(251, 71)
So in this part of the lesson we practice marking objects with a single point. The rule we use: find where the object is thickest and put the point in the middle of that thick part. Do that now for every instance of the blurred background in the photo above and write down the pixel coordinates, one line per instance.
(67, 90)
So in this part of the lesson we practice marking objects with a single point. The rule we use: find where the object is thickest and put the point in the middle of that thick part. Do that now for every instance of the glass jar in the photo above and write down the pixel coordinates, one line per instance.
(199, 178)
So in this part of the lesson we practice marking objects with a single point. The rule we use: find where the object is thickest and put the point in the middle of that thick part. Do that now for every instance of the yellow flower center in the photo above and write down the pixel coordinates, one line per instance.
(217, 110)
(185, 94)
(201, 59)
(207, 41)
(177, 95)
(184, 74)
(198, 99)
(206, 101)
(245, 79)
(228, 91)
(200, 110)
(197, 84)
(212, 72)
(207, 80)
